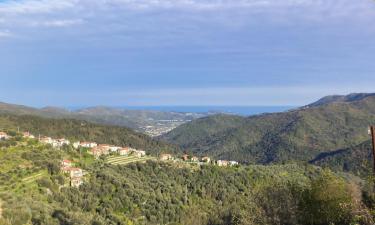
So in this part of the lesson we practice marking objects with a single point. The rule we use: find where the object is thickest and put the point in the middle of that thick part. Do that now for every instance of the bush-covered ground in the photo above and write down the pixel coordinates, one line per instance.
(33, 191)
(357, 159)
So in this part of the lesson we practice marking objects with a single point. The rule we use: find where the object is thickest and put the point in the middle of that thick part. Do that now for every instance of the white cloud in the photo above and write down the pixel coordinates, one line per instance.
(57, 23)
(280, 9)
(230, 13)
(192, 4)
(34, 6)
(48, 6)
(5, 33)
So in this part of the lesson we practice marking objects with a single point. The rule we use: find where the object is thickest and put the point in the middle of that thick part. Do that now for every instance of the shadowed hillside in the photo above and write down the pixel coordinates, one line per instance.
(356, 159)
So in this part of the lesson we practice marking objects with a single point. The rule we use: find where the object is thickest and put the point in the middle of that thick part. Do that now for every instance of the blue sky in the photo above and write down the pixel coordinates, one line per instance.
(184, 52)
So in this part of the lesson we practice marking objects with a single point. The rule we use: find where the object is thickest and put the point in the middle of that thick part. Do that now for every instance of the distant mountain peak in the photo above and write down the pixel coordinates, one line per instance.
(341, 98)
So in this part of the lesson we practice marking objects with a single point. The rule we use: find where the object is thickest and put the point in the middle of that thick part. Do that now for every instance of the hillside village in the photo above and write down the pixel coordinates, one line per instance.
(112, 153)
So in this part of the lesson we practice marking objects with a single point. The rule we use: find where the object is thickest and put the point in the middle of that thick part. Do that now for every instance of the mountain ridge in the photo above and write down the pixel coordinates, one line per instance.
(340, 98)
(299, 134)
(146, 121)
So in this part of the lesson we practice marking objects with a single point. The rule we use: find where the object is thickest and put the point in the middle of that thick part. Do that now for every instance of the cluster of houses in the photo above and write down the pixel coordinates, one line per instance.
(98, 150)
(185, 158)
(5, 136)
(56, 143)
(75, 174)
(194, 159)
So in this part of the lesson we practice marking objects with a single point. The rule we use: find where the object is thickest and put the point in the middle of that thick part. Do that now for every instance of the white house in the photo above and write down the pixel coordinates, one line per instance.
(105, 146)
(76, 144)
(222, 163)
(4, 135)
(76, 181)
(166, 157)
(96, 152)
(76, 175)
(124, 151)
(63, 141)
(194, 159)
(139, 153)
(66, 163)
(28, 135)
(88, 144)
(60, 142)
(99, 151)
(114, 148)
(206, 159)
(75, 172)
(233, 163)
(47, 140)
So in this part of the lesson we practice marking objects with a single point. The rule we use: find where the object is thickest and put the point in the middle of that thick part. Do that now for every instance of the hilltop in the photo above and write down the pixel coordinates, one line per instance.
(300, 134)
(341, 98)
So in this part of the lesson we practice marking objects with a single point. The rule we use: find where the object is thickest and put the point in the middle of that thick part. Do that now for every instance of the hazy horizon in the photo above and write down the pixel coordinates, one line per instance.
(231, 109)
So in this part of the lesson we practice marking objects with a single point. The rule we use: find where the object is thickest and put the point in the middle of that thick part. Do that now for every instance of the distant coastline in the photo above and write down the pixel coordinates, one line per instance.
(237, 110)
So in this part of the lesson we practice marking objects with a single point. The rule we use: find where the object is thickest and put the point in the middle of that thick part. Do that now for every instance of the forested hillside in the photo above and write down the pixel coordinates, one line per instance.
(32, 191)
(79, 130)
(301, 134)
(356, 159)
(139, 120)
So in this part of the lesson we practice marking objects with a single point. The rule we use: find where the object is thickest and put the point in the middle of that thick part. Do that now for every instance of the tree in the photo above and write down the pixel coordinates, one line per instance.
(328, 201)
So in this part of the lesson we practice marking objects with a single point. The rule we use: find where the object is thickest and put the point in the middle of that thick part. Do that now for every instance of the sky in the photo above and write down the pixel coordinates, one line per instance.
(184, 52)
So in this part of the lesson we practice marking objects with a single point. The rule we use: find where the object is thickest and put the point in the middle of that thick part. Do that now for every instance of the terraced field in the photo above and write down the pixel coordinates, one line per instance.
(28, 182)
(34, 177)
(123, 160)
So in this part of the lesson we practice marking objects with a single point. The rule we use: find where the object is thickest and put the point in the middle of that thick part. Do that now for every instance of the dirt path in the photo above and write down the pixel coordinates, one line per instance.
(32, 178)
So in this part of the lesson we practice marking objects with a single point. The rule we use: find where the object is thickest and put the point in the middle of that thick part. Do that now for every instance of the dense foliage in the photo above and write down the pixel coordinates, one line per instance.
(356, 159)
(295, 135)
(34, 191)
